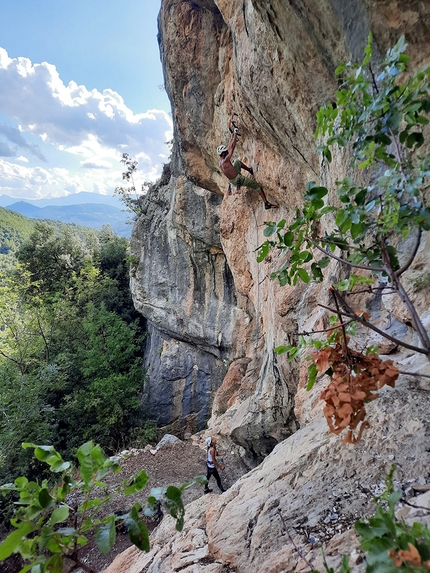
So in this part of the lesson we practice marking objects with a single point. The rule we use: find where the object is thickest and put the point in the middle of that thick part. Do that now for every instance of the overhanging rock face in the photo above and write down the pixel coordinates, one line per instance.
(209, 305)
(184, 288)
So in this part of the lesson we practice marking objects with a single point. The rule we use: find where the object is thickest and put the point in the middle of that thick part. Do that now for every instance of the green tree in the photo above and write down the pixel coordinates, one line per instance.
(105, 404)
(70, 345)
(52, 256)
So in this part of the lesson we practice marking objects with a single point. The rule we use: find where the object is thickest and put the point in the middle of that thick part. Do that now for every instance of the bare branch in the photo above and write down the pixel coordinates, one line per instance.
(351, 314)
(344, 340)
(325, 329)
(417, 374)
(299, 552)
(329, 254)
(418, 325)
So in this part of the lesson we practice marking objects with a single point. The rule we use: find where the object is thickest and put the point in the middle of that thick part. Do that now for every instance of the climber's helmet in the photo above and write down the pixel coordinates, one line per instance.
(221, 149)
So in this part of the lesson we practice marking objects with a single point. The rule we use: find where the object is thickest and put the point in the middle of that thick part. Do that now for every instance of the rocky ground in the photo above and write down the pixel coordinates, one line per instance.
(172, 464)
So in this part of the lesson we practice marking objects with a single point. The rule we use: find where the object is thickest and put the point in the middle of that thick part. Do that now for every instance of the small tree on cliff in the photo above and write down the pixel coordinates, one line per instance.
(372, 231)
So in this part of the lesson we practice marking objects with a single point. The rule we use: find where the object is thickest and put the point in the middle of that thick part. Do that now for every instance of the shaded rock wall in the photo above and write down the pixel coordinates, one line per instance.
(207, 302)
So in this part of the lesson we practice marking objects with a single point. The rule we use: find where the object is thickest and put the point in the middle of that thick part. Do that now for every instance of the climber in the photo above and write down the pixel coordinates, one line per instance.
(232, 170)
(212, 464)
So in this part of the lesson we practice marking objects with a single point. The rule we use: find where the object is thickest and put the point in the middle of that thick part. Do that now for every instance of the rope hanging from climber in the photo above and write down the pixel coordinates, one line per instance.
(233, 170)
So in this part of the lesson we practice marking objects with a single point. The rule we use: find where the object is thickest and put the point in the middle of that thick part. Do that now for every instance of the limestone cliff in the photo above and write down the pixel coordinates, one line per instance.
(214, 316)
(208, 304)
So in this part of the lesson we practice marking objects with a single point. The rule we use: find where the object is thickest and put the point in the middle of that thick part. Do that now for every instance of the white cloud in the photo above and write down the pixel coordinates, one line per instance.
(96, 164)
(35, 182)
(95, 126)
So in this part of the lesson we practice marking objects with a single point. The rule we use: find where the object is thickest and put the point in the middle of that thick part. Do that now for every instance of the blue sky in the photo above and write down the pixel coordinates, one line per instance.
(79, 85)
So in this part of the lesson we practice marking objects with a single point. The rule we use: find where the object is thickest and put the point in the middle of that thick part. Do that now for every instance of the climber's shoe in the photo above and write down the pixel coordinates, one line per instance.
(268, 205)
(207, 490)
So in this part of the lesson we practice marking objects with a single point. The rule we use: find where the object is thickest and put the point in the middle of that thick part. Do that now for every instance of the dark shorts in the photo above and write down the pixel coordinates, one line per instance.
(244, 181)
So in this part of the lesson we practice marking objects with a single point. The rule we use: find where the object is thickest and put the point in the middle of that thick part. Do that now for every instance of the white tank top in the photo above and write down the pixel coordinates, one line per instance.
(210, 461)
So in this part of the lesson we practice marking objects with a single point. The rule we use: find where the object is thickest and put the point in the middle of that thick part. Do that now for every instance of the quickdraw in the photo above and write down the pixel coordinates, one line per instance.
(232, 123)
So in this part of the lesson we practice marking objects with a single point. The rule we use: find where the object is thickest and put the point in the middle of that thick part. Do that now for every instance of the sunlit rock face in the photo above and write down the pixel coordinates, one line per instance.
(214, 316)
(209, 305)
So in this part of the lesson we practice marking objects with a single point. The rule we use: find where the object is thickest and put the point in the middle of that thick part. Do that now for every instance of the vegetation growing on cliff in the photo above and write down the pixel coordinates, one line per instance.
(372, 230)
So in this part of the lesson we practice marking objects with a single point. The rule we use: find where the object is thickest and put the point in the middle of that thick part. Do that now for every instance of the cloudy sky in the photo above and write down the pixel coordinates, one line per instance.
(80, 84)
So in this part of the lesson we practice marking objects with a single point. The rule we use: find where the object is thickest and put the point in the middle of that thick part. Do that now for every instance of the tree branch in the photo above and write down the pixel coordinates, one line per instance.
(325, 329)
(329, 254)
(351, 314)
(418, 325)
(345, 342)
(299, 552)
(417, 374)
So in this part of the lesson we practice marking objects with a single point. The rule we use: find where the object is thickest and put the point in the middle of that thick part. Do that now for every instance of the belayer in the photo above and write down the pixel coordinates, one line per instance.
(232, 170)
(212, 464)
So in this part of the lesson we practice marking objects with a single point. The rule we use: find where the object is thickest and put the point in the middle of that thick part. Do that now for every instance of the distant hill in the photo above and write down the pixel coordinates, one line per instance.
(15, 229)
(73, 199)
(93, 215)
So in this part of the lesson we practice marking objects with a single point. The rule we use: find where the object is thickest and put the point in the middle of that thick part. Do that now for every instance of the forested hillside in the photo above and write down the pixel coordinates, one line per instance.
(70, 342)
(15, 229)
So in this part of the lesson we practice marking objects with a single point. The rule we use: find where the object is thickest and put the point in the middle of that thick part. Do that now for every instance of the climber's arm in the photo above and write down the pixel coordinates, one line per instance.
(232, 145)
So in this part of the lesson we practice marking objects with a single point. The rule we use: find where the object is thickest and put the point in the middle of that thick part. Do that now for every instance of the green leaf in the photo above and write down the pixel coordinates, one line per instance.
(85, 462)
(138, 483)
(270, 229)
(317, 274)
(356, 229)
(324, 262)
(403, 136)
(13, 541)
(316, 193)
(59, 515)
(45, 499)
(106, 535)
(340, 217)
(303, 274)
(175, 505)
(20, 482)
(263, 252)
(327, 154)
(138, 534)
(60, 466)
(283, 349)
(312, 373)
(288, 238)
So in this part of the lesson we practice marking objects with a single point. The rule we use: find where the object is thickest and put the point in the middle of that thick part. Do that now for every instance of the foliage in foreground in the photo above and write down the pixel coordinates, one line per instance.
(52, 523)
(372, 230)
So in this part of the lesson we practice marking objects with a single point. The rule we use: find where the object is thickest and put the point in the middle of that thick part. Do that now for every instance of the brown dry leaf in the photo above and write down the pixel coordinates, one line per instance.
(351, 439)
(412, 556)
(363, 314)
(395, 558)
(344, 411)
(322, 359)
(356, 380)
(358, 395)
